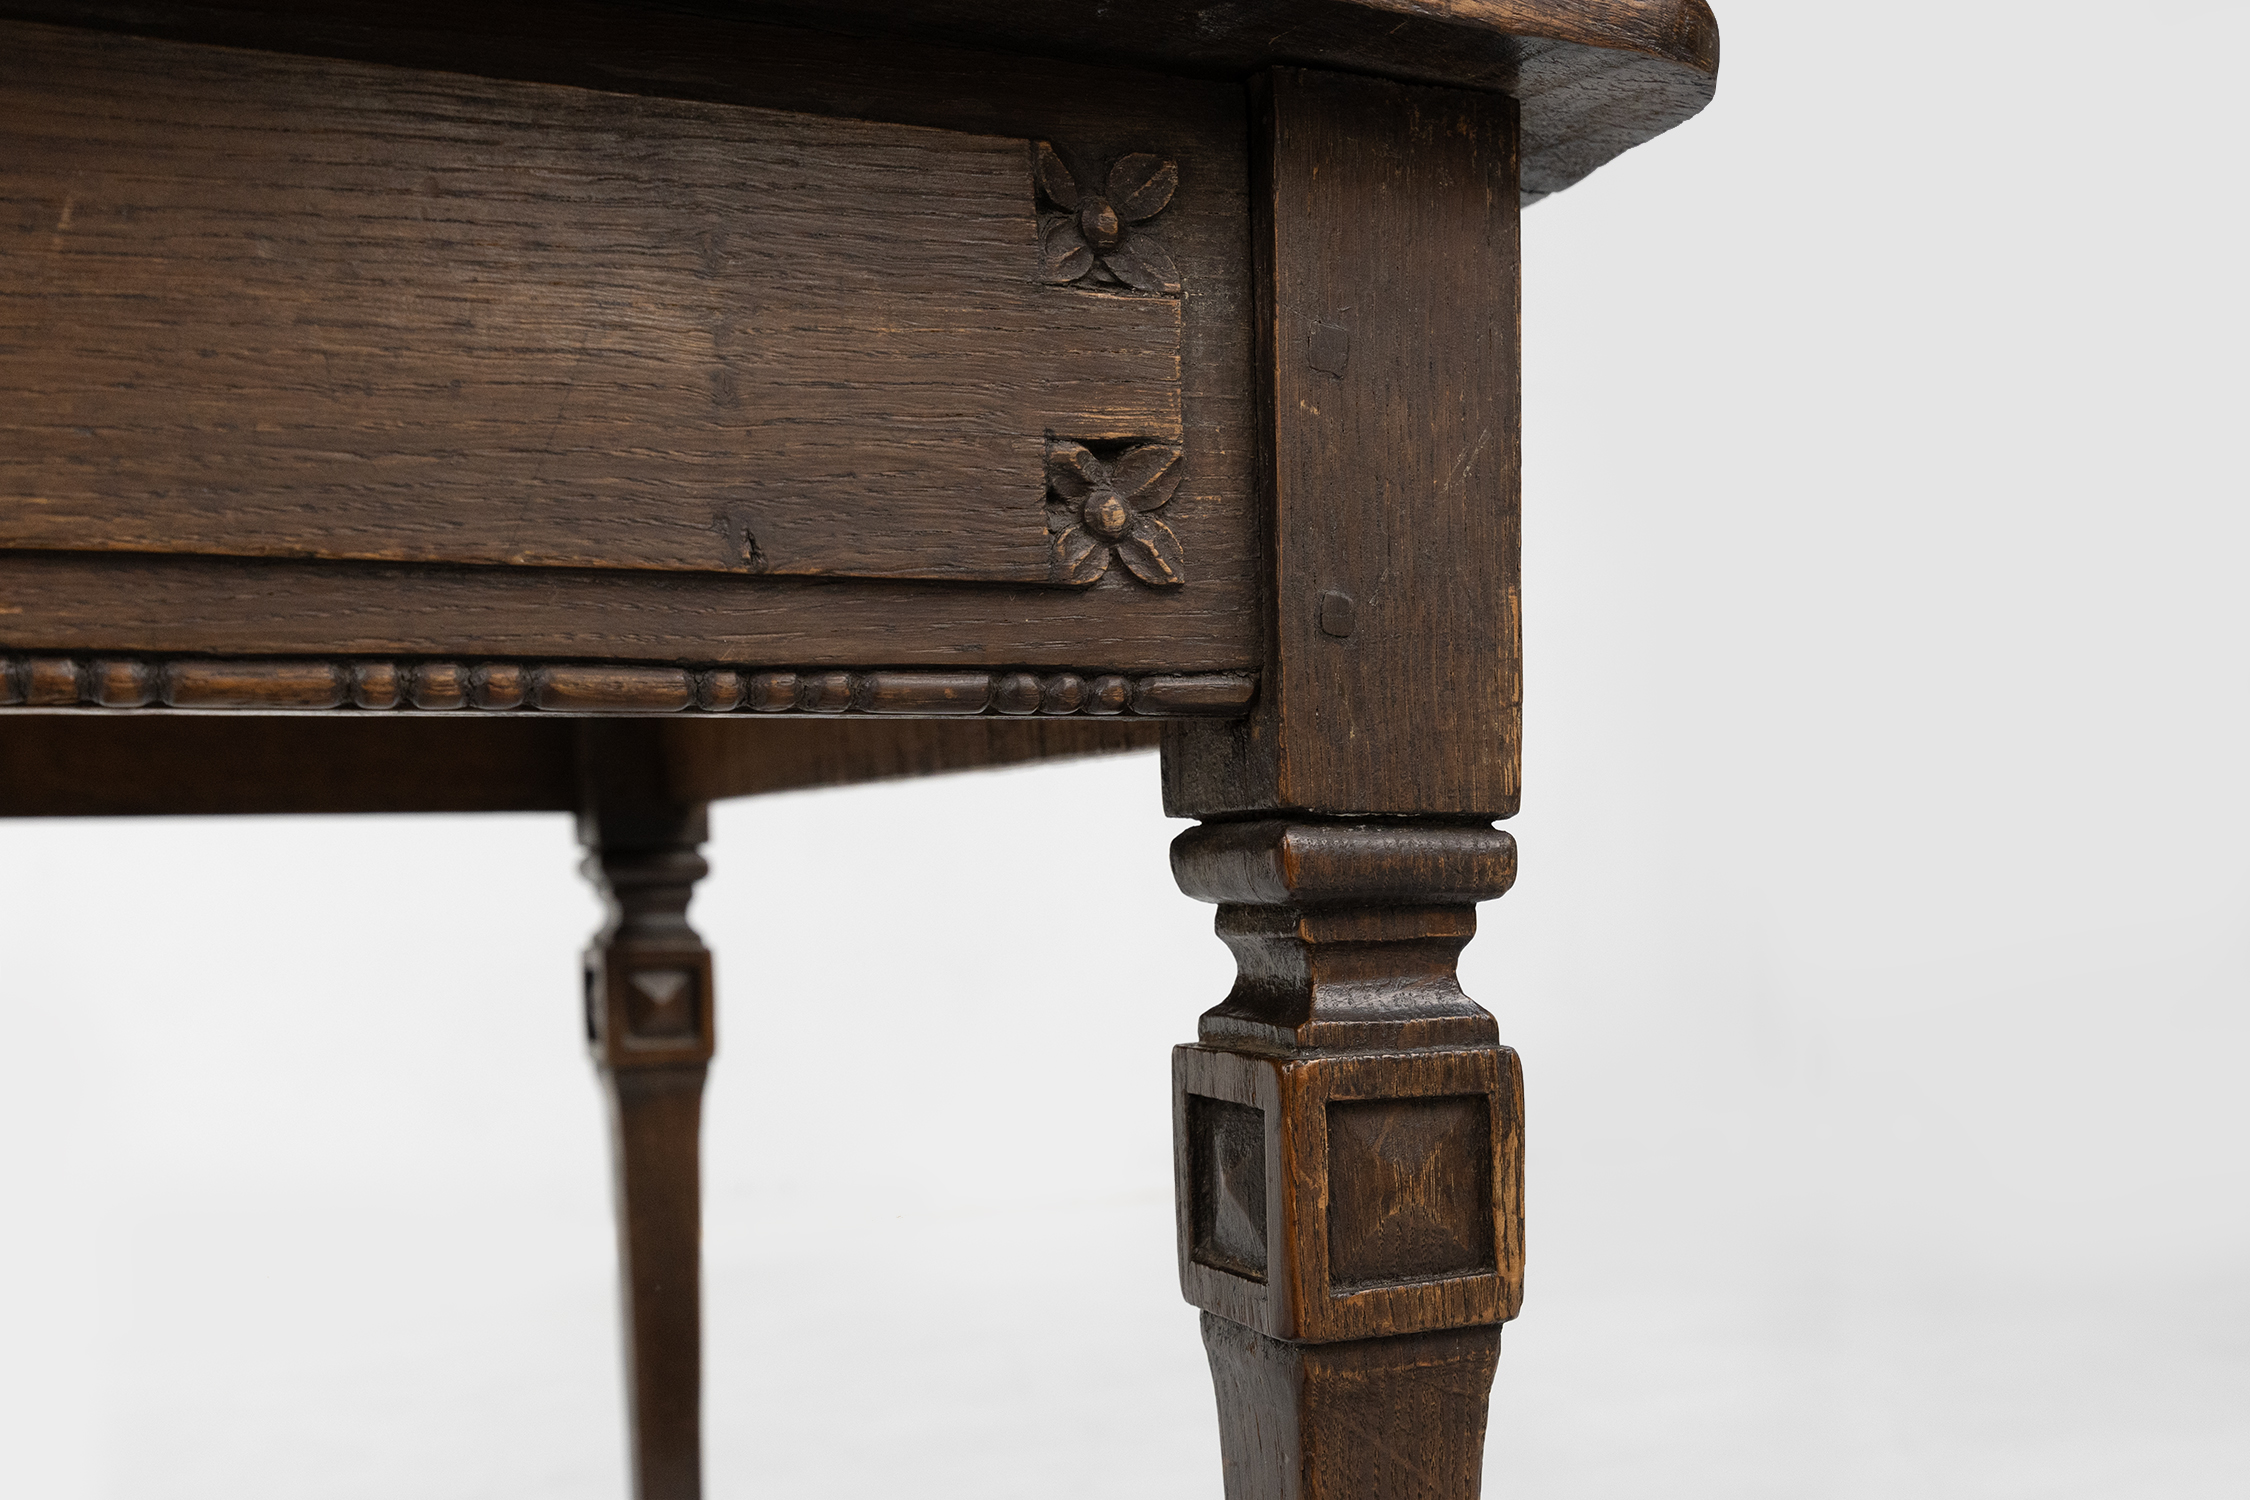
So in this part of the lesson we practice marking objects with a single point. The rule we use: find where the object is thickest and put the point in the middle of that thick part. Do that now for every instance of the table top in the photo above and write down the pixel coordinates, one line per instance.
(1595, 77)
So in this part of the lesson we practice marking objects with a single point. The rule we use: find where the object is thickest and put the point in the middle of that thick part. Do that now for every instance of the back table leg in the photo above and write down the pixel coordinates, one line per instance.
(649, 1019)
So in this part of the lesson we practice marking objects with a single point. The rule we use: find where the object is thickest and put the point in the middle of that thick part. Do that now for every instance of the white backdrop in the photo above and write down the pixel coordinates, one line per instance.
(1879, 959)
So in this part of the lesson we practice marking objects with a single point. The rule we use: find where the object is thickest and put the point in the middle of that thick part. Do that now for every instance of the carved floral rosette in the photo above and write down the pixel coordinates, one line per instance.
(1100, 237)
(1100, 510)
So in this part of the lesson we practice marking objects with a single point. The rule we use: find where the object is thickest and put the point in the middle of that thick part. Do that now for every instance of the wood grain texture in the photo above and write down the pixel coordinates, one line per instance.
(267, 306)
(88, 603)
(1094, 112)
(1277, 862)
(1596, 77)
(1387, 241)
(112, 765)
(715, 758)
(1402, 1419)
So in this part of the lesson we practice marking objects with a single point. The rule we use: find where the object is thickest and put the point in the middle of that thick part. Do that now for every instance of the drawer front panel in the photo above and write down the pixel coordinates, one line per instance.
(262, 306)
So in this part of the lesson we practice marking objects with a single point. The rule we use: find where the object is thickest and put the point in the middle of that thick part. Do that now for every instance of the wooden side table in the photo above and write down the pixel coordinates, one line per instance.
(610, 409)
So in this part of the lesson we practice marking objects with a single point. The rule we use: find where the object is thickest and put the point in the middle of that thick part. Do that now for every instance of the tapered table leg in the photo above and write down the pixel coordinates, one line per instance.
(649, 1016)
(1348, 1126)
(1397, 1416)
(1349, 1151)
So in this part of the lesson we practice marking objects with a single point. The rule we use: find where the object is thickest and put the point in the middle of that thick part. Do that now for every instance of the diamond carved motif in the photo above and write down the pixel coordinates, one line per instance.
(661, 1004)
(1229, 1145)
(1410, 1190)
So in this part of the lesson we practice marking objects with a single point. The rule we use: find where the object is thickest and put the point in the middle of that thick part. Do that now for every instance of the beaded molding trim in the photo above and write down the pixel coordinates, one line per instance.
(298, 685)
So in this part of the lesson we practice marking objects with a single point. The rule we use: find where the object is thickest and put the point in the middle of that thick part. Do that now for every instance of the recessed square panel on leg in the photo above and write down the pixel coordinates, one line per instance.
(1409, 1190)
(1227, 1149)
(1390, 1184)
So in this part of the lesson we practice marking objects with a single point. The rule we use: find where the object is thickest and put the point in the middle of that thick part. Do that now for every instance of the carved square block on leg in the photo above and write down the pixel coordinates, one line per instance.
(1350, 1196)
(649, 1008)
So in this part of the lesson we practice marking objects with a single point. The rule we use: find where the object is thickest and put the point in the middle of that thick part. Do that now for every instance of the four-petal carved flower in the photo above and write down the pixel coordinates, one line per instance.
(1098, 236)
(1099, 509)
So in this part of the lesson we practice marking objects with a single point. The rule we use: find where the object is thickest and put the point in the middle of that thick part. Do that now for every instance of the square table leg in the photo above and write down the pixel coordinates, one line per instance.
(1348, 1129)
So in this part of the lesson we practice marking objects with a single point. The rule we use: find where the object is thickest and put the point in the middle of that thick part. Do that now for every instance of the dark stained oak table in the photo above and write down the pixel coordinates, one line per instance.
(612, 408)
